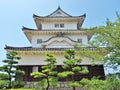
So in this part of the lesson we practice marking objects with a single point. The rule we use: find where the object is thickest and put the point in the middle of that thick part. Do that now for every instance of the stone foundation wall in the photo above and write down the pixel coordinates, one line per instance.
(63, 86)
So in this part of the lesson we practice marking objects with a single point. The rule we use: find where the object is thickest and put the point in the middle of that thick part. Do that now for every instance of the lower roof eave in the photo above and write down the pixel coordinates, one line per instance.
(39, 50)
(85, 64)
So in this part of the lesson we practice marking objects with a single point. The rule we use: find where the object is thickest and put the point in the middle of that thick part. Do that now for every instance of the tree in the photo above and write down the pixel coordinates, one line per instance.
(94, 84)
(48, 73)
(11, 66)
(3, 80)
(110, 83)
(109, 37)
(71, 67)
(113, 83)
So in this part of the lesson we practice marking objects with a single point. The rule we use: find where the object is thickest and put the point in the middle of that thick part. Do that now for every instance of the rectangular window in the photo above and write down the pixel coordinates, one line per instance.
(80, 40)
(35, 69)
(39, 41)
(56, 25)
(59, 25)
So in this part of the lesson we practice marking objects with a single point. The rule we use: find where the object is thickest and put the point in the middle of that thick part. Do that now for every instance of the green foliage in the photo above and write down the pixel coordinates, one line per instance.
(18, 83)
(84, 70)
(23, 89)
(41, 85)
(11, 66)
(47, 74)
(54, 81)
(95, 53)
(4, 84)
(65, 74)
(38, 74)
(71, 67)
(76, 68)
(112, 82)
(3, 76)
(93, 84)
(109, 37)
(96, 84)
(74, 84)
(71, 63)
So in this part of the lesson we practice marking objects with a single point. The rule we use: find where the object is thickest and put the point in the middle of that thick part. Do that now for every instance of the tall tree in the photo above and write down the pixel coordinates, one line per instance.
(11, 66)
(71, 67)
(109, 37)
(48, 73)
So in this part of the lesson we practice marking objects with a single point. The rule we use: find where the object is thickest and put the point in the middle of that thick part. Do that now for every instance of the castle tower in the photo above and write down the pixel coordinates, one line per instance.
(54, 34)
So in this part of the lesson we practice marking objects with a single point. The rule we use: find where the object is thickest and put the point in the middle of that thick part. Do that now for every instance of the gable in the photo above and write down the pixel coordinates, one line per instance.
(58, 42)
(59, 13)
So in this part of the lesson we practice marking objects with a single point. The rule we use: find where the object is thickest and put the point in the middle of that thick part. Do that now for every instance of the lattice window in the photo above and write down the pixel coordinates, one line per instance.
(59, 25)
(80, 40)
(39, 41)
(56, 25)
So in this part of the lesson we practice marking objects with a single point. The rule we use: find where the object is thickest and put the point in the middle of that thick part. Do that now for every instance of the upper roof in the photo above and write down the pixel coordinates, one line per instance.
(59, 13)
(29, 32)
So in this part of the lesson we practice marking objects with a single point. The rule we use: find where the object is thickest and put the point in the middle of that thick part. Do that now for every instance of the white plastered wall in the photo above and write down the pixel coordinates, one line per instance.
(46, 37)
(39, 60)
(67, 25)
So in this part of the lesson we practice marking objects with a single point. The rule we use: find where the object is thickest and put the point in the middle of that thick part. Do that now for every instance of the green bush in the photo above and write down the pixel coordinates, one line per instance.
(4, 84)
(18, 84)
(3, 76)
(96, 84)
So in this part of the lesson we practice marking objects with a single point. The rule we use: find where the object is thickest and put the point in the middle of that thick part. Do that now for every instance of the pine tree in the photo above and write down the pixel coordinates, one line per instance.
(48, 73)
(11, 66)
(71, 67)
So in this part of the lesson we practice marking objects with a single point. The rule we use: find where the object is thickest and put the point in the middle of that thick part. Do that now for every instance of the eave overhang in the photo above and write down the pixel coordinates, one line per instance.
(30, 32)
(37, 50)
(78, 19)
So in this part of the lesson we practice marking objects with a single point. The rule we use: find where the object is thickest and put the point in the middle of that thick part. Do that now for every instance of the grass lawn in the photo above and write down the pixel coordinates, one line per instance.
(23, 89)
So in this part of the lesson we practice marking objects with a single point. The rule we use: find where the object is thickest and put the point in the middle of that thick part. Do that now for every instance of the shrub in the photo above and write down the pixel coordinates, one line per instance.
(3, 76)
(4, 84)
(18, 84)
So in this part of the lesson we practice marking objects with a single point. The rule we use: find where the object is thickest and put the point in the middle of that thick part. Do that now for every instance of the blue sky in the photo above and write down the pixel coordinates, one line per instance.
(17, 13)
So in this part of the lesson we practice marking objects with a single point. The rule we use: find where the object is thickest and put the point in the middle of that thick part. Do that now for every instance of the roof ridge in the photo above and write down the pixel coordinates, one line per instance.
(59, 8)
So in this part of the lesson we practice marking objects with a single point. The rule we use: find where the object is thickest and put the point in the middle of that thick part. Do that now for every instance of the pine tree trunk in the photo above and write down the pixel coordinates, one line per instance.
(9, 85)
(48, 83)
(10, 82)
(73, 88)
(73, 81)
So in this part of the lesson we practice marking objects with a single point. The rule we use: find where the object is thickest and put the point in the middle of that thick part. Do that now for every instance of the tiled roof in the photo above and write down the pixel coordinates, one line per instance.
(30, 29)
(59, 9)
(84, 15)
(32, 48)
(44, 49)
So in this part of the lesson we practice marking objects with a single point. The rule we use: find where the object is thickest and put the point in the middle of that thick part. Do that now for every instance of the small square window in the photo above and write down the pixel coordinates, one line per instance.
(79, 40)
(39, 41)
(61, 25)
(56, 25)
(35, 69)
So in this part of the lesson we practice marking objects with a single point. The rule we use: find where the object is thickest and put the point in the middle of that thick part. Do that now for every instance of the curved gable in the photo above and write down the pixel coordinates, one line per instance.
(59, 13)
(59, 42)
